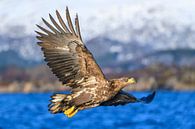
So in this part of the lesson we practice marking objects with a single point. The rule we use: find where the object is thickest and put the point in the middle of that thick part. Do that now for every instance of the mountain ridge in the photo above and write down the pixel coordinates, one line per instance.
(122, 32)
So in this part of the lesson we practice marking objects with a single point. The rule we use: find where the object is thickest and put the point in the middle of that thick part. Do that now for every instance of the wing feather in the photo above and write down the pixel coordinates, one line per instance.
(50, 26)
(55, 24)
(45, 30)
(62, 22)
(65, 53)
(77, 27)
(41, 34)
(69, 21)
(123, 98)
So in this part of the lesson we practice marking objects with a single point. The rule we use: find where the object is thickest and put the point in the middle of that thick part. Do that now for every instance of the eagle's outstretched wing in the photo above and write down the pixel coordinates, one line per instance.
(66, 53)
(123, 98)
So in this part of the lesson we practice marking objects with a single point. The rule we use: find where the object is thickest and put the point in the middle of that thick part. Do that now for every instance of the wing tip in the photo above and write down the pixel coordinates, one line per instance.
(38, 25)
(50, 15)
(57, 12)
(67, 8)
(70, 25)
(148, 99)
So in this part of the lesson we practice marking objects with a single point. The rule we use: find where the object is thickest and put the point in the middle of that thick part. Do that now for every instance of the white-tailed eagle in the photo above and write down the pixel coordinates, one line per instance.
(75, 66)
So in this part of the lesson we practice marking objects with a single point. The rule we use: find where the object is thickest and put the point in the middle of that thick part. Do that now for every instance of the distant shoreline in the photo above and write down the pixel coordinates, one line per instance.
(156, 76)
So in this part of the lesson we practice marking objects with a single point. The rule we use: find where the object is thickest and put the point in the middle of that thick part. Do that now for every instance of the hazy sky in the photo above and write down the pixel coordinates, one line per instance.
(29, 12)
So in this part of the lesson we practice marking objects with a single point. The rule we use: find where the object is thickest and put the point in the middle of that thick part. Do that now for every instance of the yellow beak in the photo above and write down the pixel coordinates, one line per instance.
(131, 80)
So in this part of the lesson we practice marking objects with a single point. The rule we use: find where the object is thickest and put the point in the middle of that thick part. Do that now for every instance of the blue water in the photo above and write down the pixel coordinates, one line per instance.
(169, 110)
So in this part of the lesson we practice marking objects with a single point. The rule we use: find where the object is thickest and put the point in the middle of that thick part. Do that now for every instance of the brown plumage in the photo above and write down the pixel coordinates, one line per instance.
(74, 65)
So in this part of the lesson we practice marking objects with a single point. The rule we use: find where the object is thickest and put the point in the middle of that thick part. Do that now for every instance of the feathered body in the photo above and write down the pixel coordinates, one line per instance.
(74, 65)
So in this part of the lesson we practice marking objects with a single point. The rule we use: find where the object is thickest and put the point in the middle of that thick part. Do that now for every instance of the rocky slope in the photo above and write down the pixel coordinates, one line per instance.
(153, 77)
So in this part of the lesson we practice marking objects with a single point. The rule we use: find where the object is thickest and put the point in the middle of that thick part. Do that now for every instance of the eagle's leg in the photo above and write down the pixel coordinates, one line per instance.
(71, 111)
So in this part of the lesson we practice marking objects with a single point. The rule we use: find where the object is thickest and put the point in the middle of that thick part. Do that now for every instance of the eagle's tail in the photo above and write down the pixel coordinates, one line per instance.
(62, 103)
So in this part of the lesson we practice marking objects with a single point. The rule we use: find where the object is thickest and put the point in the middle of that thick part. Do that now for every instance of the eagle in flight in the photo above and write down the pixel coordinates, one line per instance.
(75, 66)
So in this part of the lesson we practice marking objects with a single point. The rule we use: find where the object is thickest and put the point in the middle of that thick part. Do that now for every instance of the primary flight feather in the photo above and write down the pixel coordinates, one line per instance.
(74, 65)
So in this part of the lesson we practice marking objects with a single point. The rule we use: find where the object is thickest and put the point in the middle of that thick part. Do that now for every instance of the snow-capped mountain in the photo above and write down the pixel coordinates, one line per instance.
(122, 31)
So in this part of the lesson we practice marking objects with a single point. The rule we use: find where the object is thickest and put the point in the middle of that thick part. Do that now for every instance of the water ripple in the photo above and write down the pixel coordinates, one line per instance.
(168, 110)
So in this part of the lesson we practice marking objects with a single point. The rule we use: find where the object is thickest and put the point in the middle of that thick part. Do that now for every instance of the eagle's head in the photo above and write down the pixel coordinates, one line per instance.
(120, 83)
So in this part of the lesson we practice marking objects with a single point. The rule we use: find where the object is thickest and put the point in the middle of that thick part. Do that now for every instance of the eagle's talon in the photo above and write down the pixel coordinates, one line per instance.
(72, 113)
(69, 110)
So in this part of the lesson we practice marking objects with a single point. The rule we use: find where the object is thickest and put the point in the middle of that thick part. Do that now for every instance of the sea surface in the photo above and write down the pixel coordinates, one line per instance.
(169, 110)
